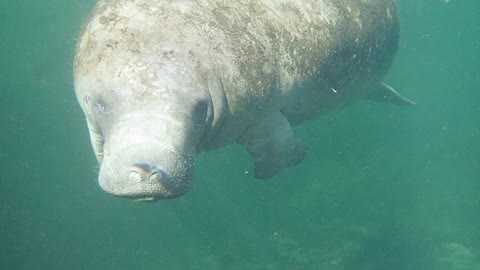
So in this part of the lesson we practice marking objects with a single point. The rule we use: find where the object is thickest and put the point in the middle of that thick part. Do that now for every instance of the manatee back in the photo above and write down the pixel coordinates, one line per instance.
(300, 57)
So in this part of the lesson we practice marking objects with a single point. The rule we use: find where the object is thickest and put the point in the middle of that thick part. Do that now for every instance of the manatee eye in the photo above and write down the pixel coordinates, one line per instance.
(86, 100)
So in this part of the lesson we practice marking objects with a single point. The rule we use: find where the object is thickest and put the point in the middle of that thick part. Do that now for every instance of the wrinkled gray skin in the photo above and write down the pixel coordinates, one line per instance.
(161, 80)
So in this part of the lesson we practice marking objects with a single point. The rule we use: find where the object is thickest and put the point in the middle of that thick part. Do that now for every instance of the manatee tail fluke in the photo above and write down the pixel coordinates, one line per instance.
(386, 93)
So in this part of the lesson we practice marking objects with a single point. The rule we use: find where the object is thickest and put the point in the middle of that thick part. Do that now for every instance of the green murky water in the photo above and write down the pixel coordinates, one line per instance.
(383, 187)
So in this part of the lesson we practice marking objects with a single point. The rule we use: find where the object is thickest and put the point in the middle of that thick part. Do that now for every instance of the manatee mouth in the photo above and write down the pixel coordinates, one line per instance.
(135, 173)
(147, 199)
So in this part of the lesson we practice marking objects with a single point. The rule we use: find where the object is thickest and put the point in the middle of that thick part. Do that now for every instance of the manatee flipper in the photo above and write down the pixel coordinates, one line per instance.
(386, 93)
(96, 139)
(273, 146)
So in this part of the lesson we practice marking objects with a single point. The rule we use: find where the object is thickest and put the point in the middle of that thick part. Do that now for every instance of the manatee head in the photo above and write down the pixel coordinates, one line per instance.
(145, 144)
(146, 151)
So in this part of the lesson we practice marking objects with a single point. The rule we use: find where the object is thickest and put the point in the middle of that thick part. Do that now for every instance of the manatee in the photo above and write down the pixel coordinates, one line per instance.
(160, 81)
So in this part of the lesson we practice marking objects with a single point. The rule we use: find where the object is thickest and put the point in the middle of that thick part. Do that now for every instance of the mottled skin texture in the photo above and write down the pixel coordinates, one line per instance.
(161, 80)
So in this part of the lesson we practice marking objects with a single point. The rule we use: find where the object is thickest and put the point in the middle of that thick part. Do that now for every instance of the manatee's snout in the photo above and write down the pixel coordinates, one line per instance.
(146, 173)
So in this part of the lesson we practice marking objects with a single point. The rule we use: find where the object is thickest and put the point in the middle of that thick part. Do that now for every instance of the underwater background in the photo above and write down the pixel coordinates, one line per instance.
(383, 187)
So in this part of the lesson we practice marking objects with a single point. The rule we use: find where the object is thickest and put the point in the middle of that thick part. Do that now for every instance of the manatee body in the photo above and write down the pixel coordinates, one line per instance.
(162, 80)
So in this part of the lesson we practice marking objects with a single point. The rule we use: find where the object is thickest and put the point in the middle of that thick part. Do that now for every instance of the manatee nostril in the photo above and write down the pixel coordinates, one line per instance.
(159, 175)
(134, 176)
(155, 177)
(156, 174)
